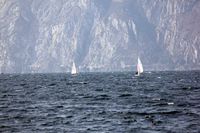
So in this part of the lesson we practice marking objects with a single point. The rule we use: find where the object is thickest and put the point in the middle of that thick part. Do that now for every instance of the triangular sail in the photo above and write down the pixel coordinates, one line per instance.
(139, 67)
(73, 71)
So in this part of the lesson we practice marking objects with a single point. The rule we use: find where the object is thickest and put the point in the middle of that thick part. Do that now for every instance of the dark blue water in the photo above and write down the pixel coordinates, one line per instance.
(155, 102)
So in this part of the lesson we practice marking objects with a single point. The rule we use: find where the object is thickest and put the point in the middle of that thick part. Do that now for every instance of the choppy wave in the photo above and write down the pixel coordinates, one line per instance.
(100, 102)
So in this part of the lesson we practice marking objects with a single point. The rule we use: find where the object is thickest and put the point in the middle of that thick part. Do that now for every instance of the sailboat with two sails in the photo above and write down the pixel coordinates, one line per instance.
(139, 67)
(74, 70)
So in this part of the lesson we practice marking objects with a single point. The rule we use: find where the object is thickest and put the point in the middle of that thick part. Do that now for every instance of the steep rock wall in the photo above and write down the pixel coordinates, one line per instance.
(106, 35)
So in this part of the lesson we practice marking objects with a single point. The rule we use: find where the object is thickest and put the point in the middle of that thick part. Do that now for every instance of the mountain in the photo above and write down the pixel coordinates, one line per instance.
(99, 35)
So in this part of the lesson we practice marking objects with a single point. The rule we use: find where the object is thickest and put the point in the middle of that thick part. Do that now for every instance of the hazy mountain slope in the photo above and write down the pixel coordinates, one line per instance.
(176, 24)
(102, 35)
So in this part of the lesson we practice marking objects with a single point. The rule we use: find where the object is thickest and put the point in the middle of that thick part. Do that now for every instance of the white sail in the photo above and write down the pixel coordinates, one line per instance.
(139, 67)
(74, 71)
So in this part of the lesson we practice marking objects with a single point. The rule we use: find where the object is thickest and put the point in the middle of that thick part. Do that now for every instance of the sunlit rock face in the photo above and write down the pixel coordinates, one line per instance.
(177, 29)
(98, 35)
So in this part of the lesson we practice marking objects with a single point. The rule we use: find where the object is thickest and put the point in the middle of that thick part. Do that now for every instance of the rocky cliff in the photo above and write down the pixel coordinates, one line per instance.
(99, 35)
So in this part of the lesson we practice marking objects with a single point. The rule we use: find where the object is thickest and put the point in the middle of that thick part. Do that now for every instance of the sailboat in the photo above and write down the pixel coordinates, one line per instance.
(139, 67)
(73, 71)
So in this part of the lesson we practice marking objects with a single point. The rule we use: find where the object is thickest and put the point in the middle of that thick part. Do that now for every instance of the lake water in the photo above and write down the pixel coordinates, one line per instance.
(155, 102)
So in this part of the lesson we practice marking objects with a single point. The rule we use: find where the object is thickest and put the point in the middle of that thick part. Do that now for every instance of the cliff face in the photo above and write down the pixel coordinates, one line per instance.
(176, 26)
(99, 35)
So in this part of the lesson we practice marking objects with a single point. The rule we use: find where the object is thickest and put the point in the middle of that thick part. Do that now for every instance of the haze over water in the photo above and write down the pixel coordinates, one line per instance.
(100, 102)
